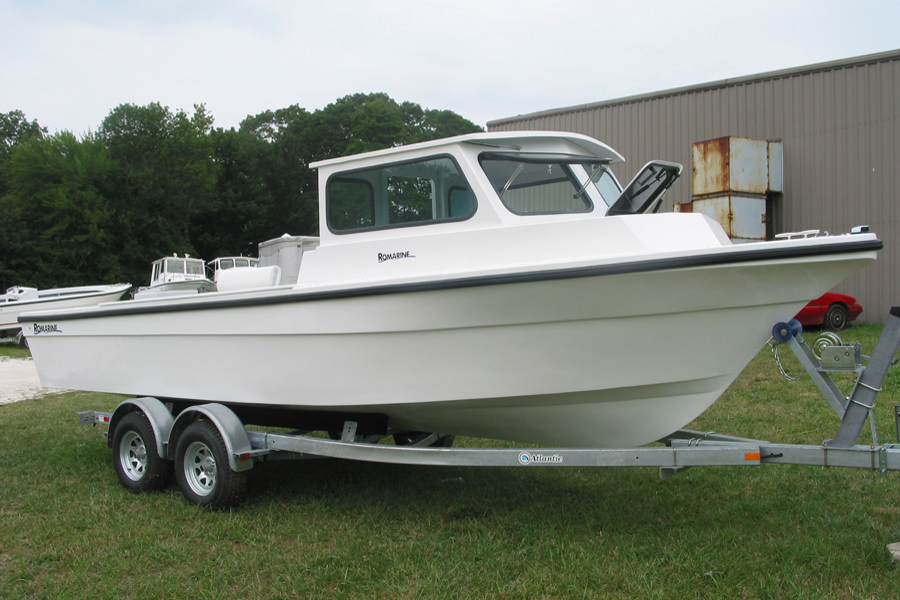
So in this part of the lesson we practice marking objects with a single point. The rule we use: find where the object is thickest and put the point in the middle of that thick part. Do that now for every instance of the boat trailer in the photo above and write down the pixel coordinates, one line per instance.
(17, 339)
(210, 450)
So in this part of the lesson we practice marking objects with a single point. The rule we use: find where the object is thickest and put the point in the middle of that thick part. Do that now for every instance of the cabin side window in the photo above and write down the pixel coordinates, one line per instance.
(403, 194)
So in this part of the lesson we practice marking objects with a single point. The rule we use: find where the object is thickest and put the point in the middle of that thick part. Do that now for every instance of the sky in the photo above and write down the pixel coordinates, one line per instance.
(67, 64)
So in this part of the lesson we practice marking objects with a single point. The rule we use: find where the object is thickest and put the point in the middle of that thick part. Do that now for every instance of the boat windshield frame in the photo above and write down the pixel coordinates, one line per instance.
(644, 193)
(550, 183)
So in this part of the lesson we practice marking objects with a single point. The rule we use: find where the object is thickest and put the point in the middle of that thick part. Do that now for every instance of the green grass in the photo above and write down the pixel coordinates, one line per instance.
(327, 529)
(14, 351)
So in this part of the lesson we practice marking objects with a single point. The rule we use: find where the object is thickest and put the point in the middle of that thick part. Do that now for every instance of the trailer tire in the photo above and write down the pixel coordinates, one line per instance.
(202, 468)
(138, 465)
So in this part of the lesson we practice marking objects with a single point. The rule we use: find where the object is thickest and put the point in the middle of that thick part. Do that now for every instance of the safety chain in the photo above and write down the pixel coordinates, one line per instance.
(774, 345)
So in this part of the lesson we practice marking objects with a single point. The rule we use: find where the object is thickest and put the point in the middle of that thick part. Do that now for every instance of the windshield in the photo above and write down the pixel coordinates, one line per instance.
(543, 183)
(646, 190)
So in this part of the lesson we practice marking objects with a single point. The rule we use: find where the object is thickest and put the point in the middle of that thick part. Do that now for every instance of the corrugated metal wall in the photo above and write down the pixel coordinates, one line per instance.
(840, 127)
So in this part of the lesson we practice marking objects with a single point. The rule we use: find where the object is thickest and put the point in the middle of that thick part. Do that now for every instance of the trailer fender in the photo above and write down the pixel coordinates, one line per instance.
(156, 412)
(230, 427)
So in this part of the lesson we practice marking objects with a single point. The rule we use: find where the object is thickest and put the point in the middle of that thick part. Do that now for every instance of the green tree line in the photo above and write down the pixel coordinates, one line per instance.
(151, 181)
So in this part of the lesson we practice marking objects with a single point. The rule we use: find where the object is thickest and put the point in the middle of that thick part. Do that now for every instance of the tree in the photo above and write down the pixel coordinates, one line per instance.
(239, 216)
(166, 176)
(350, 125)
(269, 125)
(283, 165)
(15, 129)
(151, 182)
(357, 123)
(59, 221)
(425, 125)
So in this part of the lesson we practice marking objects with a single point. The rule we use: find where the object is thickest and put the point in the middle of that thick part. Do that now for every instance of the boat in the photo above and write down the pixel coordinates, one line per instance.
(19, 299)
(225, 263)
(499, 285)
(174, 275)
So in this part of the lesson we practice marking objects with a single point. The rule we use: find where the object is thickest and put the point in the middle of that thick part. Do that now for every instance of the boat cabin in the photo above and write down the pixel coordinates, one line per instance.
(473, 201)
(19, 293)
(443, 181)
(174, 275)
(173, 268)
(218, 265)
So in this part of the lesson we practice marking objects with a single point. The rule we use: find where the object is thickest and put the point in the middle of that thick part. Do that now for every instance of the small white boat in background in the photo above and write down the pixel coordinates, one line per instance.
(500, 285)
(226, 263)
(174, 275)
(19, 299)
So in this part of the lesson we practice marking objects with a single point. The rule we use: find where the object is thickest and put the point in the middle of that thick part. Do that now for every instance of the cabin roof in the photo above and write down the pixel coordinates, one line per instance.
(508, 140)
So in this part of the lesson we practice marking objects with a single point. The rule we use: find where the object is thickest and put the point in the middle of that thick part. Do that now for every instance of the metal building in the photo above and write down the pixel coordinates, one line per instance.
(839, 128)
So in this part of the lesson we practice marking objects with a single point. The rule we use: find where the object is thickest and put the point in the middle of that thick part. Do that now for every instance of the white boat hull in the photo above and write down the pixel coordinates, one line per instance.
(59, 298)
(176, 288)
(610, 356)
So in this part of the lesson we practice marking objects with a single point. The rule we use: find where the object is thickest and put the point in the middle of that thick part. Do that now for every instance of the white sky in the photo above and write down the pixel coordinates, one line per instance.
(67, 64)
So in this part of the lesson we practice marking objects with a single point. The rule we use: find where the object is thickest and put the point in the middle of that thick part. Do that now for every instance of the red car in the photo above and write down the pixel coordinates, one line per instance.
(831, 311)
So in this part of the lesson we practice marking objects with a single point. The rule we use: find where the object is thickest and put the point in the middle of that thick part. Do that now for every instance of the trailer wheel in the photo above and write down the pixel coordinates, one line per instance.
(203, 472)
(138, 465)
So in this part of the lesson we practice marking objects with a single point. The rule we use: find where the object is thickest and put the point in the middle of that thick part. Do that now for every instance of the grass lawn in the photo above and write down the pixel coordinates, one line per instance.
(328, 529)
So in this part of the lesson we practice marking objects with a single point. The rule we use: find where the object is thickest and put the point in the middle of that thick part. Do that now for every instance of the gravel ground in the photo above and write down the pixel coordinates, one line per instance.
(19, 380)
